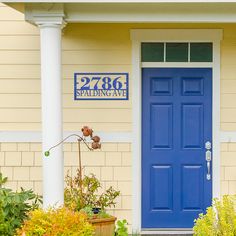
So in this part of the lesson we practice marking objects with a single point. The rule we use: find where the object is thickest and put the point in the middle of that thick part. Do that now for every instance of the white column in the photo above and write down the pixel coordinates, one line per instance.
(51, 92)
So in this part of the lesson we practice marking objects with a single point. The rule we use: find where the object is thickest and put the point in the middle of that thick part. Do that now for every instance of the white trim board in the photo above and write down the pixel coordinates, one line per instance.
(227, 137)
(122, 137)
(174, 64)
(150, 12)
(130, 11)
(120, 1)
(34, 136)
(174, 35)
(167, 232)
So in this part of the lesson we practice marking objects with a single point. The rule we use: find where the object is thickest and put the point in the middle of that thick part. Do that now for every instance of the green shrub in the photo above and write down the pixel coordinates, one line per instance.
(56, 222)
(220, 219)
(14, 207)
(121, 228)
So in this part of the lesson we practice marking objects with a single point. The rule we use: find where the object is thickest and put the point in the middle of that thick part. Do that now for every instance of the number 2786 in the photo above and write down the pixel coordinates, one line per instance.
(98, 82)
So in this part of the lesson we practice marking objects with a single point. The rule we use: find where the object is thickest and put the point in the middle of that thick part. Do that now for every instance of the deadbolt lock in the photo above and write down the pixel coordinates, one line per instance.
(208, 145)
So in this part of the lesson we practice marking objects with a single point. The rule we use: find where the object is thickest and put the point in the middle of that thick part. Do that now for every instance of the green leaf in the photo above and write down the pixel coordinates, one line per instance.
(46, 154)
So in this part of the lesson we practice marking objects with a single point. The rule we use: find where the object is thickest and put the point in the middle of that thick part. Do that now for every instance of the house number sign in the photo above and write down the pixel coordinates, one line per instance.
(101, 86)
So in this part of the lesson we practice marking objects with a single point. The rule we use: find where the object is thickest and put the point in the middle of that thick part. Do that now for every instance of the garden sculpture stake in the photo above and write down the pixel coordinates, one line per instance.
(87, 132)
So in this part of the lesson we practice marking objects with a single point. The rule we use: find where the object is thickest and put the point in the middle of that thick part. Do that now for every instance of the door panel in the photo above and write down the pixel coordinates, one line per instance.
(192, 132)
(176, 123)
(161, 126)
(192, 198)
(161, 196)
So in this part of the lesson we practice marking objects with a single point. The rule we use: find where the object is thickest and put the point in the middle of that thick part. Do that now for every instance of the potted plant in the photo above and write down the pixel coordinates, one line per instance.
(90, 202)
(81, 192)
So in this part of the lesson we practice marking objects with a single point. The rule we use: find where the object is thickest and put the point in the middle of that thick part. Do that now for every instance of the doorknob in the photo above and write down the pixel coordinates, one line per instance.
(208, 159)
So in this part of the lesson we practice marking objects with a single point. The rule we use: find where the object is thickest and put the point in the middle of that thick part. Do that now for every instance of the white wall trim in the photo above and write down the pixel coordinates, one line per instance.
(186, 35)
(137, 133)
(139, 11)
(216, 119)
(167, 232)
(121, 1)
(227, 136)
(174, 64)
(36, 136)
(122, 137)
(150, 12)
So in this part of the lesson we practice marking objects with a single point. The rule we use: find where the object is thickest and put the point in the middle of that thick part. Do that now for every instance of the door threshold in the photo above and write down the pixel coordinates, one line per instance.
(166, 232)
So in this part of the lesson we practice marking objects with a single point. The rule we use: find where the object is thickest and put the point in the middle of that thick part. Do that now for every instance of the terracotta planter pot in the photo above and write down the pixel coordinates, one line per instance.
(104, 226)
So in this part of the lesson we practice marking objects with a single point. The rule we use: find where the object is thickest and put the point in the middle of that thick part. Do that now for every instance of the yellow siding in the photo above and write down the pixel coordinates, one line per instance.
(89, 48)
(22, 164)
(82, 51)
(17, 28)
(20, 72)
(19, 57)
(24, 42)
(86, 48)
(228, 80)
(228, 168)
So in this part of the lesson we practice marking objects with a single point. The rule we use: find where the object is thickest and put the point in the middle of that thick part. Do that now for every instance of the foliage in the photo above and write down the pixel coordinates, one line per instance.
(56, 222)
(220, 219)
(88, 211)
(103, 214)
(121, 228)
(91, 215)
(79, 194)
(136, 234)
(3, 180)
(14, 207)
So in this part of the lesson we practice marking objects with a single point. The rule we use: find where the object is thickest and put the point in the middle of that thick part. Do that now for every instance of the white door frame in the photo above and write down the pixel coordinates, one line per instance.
(171, 35)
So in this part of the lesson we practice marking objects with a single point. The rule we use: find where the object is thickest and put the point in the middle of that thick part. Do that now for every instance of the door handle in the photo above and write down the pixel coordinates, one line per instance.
(208, 160)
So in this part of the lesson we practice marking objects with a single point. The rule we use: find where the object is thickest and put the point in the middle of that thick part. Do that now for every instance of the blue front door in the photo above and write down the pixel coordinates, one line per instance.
(176, 124)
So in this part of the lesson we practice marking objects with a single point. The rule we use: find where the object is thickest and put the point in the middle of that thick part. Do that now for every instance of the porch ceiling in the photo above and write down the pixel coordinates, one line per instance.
(132, 11)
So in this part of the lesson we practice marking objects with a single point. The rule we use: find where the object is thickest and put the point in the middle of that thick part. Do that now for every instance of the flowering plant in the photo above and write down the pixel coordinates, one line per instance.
(219, 220)
(62, 221)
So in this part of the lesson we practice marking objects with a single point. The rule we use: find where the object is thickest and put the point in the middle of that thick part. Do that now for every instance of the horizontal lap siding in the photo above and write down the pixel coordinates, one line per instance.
(228, 80)
(228, 168)
(95, 57)
(7, 14)
(84, 50)
(32, 100)
(33, 71)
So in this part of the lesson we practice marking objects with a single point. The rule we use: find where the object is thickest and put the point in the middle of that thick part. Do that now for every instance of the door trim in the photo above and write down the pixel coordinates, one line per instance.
(171, 35)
